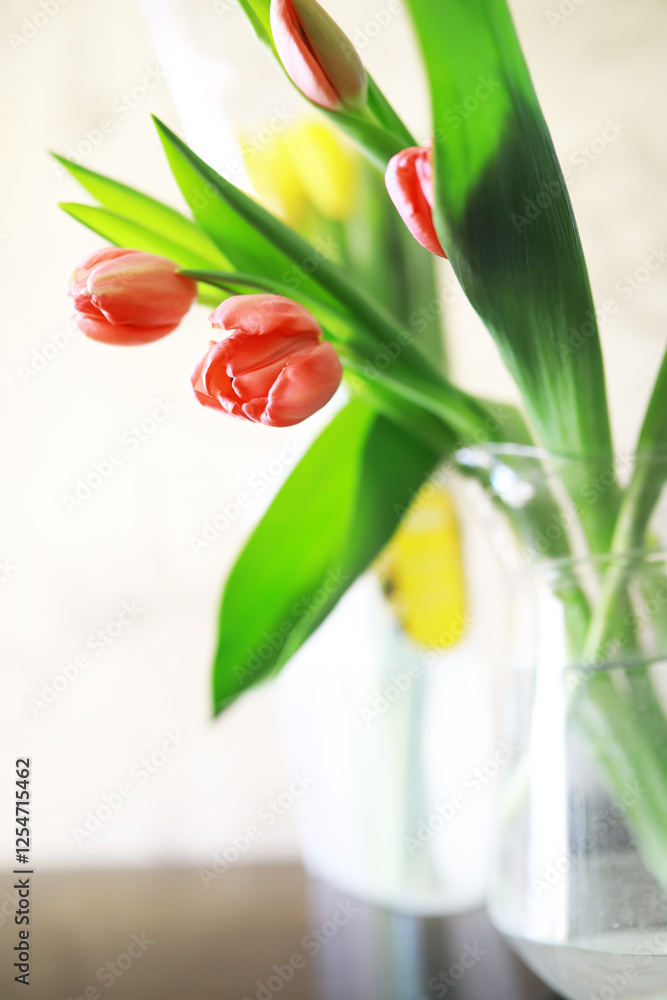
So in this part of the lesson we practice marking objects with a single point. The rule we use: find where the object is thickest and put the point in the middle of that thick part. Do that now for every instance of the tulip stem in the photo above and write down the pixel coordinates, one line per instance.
(460, 413)
(376, 127)
(423, 426)
(385, 114)
(237, 281)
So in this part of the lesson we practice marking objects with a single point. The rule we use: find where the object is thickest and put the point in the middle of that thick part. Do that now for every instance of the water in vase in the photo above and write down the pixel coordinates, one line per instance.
(626, 964)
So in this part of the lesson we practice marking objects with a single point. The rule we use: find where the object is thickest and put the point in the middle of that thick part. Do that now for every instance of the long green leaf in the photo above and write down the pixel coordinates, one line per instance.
(504, 217)
(257, 12)
(334, 514)
(650, 472)
(386, 114)
(255, 240)
(653, 435)
(525, 276)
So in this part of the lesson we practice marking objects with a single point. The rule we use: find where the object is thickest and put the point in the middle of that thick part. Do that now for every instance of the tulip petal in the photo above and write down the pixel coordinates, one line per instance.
(213, 373)
(128, 297)
(264, 313)
(124, 335)
(199, 388)
(142, 289)
(244, 352)
(272, 366)
(85, 307)
(409, 181)
(334, 52)
(306, 384)
(78, 279)
(298, 58)
(255, 410)
(252, 384)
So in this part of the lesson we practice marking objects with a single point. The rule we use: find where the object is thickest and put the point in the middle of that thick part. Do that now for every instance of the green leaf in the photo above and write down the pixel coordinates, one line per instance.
(334, 514)
(650, 472)
(387, 116)
(506, 222)
(460, 413)
(258, 13)
(653, 435)
(504, 217)
(147, 213)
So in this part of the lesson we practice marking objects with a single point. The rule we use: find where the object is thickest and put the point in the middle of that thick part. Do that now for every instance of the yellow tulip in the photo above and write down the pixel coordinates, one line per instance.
(327, 167)
(276, 181)
(307, 166)
(422, 571)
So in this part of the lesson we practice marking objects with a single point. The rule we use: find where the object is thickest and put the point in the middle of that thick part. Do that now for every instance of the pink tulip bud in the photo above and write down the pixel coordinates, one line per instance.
(409, 180)
(318, 57)
(129, 297)
(272, 367)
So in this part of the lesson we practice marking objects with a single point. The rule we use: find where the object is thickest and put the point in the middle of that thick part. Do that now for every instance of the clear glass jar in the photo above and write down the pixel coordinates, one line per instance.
(580, 879)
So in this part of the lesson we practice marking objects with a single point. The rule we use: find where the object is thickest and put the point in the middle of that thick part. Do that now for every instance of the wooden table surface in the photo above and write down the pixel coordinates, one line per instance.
(254, 933)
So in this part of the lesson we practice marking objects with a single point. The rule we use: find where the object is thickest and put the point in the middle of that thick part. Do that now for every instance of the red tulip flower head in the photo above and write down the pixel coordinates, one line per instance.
(409, 180)
(272, 367)
(318, 57)
(129, 297)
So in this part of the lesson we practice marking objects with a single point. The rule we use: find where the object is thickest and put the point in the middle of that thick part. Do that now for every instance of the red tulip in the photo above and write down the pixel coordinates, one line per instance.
(272, 367)
(129, 297)
(409, 180)
(318, 57)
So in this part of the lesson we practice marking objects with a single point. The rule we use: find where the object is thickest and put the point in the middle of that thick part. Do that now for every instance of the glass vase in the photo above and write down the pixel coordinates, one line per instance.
(580, 878)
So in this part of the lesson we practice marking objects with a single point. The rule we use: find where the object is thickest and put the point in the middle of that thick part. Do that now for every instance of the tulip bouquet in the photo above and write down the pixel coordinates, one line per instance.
(289, 323)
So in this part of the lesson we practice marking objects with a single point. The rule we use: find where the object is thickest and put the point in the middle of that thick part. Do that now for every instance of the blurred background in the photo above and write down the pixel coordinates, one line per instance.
(108, 597)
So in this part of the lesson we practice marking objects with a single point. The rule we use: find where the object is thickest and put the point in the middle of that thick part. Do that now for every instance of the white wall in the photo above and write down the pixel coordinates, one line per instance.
(71, 572)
